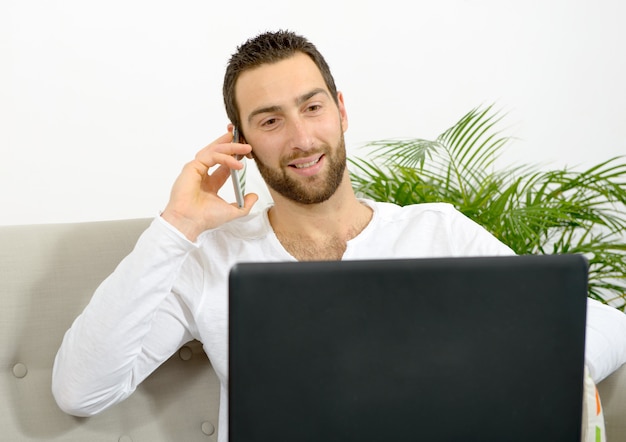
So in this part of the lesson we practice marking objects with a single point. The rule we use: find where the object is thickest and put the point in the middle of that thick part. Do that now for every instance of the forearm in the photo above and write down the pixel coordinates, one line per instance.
(103, 355)
(605, 346)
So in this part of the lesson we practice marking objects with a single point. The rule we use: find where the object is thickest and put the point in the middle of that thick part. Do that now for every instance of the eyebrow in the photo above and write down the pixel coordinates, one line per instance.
(301, 99)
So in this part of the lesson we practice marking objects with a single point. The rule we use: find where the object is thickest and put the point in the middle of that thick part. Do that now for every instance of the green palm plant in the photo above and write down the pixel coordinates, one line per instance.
(533, 211)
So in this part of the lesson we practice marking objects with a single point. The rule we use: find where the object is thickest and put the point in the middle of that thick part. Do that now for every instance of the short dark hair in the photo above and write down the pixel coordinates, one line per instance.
(267, 48)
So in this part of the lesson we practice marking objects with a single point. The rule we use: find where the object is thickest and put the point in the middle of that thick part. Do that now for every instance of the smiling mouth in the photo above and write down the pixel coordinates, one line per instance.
(307, 164)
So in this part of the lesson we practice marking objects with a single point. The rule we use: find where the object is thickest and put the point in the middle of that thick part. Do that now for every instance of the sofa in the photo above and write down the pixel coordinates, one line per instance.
(48, 273)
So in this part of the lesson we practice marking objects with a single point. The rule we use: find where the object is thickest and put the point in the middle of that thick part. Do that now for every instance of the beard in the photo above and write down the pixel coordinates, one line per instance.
(308, 190)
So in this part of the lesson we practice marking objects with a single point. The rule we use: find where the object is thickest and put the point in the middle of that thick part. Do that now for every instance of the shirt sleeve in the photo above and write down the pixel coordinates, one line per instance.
(471, 239)
(605, 346)
(132, 324)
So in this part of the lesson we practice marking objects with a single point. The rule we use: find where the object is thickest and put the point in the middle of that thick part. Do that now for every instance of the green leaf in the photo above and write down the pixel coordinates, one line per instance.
(531, 210)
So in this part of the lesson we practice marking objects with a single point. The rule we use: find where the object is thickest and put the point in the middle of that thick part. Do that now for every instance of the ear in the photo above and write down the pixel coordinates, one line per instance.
(343, 115)
(242, 138)
(250, 156)
(230, 127)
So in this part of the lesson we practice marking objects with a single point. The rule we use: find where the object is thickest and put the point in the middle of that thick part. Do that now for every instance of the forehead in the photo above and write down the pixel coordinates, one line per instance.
(277, 84)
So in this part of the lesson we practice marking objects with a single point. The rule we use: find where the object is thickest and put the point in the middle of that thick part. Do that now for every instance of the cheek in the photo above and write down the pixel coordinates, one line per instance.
(333, 126)
(264, 150)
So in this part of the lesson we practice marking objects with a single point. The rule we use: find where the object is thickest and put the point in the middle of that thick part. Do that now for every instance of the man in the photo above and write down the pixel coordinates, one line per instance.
(172, 288)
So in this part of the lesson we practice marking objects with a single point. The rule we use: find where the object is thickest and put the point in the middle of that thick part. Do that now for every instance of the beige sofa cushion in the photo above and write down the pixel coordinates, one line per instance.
(47, 275)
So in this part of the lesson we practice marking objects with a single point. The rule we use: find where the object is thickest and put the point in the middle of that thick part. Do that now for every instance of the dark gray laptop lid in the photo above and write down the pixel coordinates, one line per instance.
(448, 349)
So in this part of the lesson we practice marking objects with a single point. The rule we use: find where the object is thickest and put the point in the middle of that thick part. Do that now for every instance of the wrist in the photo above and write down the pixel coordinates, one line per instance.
(186, 226)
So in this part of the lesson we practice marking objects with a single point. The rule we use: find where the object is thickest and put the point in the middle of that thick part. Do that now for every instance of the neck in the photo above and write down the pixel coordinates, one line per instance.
(319, 231)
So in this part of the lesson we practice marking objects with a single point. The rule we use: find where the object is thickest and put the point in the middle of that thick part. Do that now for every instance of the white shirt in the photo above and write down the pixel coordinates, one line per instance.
(170, 290)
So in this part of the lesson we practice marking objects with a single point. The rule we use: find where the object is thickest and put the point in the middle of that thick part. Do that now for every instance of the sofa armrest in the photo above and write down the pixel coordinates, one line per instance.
(613, 396)
(48, 273)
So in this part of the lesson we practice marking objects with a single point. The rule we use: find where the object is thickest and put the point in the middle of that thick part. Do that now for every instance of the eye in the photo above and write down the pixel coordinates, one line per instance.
(269, 122)
(312, 108)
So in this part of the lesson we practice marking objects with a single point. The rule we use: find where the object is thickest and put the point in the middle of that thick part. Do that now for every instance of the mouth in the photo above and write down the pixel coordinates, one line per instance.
(309, 166)
(305, 163)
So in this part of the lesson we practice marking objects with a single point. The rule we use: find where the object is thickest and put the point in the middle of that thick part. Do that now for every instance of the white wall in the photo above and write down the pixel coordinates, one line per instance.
(101, 103)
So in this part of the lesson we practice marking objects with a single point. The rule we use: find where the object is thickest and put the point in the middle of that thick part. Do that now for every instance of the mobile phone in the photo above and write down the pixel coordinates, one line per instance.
(234, 174)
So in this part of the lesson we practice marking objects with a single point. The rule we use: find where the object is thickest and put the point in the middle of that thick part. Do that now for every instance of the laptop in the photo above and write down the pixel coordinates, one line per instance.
(443, 349)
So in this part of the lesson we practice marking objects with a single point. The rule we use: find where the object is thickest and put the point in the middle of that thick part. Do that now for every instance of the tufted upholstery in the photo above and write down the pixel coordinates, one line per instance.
(613, 396)
(47, 275)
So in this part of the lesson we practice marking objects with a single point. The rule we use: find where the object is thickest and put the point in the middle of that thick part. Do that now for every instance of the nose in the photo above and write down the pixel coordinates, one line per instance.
(300, 134)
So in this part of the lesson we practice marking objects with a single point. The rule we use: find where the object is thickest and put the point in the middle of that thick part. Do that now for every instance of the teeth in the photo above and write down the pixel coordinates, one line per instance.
(309, 164)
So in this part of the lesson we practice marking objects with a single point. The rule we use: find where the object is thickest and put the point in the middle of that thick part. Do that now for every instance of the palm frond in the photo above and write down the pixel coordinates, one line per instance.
(532, 211)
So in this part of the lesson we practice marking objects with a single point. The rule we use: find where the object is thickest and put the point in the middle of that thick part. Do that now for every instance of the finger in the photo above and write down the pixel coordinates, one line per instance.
(226, 146)
(210, 157)
(248, 202)
(221, 174)
(202, 166)
(225, 138)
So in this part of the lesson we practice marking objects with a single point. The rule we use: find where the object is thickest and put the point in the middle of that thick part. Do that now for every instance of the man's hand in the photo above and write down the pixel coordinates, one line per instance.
(194, 205)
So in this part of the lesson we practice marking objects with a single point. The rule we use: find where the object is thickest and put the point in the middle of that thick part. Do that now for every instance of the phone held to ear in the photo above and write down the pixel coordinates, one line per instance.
(234, 174)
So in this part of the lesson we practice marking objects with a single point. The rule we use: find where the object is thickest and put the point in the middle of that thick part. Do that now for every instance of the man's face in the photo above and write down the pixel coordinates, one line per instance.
(295, 128)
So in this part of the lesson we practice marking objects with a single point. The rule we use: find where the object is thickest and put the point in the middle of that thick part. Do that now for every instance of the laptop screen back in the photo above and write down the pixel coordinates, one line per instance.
(447, 349)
